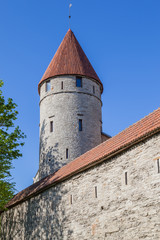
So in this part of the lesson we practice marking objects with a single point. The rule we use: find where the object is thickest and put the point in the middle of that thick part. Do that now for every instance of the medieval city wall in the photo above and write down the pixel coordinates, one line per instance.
(96, 204)
(64, 107)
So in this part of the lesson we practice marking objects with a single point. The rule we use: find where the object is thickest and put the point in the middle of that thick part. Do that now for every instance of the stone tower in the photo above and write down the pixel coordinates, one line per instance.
(70, 107)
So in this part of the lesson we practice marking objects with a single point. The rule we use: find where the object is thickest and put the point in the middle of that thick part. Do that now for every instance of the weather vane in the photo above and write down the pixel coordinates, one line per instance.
(70, 5)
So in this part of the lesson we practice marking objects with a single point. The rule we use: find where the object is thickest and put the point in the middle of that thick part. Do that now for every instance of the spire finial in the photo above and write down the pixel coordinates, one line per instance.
(70, 5)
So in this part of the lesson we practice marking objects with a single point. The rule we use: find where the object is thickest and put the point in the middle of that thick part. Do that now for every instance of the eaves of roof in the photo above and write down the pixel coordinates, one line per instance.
(70, 59)
(134, 134)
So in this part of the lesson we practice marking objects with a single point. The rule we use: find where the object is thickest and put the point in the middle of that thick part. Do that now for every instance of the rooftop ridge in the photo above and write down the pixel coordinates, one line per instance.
(70, 59)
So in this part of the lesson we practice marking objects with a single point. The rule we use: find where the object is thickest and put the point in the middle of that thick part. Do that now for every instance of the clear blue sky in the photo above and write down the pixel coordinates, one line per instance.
(120, 38)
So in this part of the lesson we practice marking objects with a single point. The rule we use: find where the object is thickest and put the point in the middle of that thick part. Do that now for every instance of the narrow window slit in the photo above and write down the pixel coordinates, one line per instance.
(80, 125)
(61, 85)
(126, 180)
(66, 153)
(95, 192)
(93, 89)
(71, 199)
(48, 86)
(51, 126)
(158, 165)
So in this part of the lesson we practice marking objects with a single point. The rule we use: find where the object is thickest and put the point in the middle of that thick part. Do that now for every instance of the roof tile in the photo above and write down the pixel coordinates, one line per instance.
(133, 134)
(70, 59)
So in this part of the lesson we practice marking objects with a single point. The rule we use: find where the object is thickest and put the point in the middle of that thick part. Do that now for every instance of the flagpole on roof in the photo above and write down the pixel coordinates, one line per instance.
(70, 5)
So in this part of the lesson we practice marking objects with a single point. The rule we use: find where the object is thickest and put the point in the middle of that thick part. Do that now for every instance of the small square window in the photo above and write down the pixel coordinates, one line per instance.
(80, 125)
(78, 82)
(48, 86)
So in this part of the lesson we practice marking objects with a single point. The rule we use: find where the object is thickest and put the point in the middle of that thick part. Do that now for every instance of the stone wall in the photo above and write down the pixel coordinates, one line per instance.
(64, 107)
(96, 204)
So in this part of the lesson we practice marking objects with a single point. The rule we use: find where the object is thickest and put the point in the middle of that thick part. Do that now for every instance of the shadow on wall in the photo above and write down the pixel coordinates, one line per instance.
(50, 160)
(41, 217)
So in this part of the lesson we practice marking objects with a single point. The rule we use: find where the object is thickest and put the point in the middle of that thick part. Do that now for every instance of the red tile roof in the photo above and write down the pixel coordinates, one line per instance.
(70, 59)
(139, 131)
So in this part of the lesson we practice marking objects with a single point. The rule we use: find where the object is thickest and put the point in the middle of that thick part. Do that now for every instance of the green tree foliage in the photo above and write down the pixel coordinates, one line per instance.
(10, 141)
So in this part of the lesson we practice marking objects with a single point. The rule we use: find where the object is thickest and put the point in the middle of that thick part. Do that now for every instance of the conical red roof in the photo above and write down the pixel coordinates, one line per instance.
(70, 59)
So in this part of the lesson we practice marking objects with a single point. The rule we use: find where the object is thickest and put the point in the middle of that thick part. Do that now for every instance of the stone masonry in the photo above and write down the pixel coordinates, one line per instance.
(64, 107)
(118, 199)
